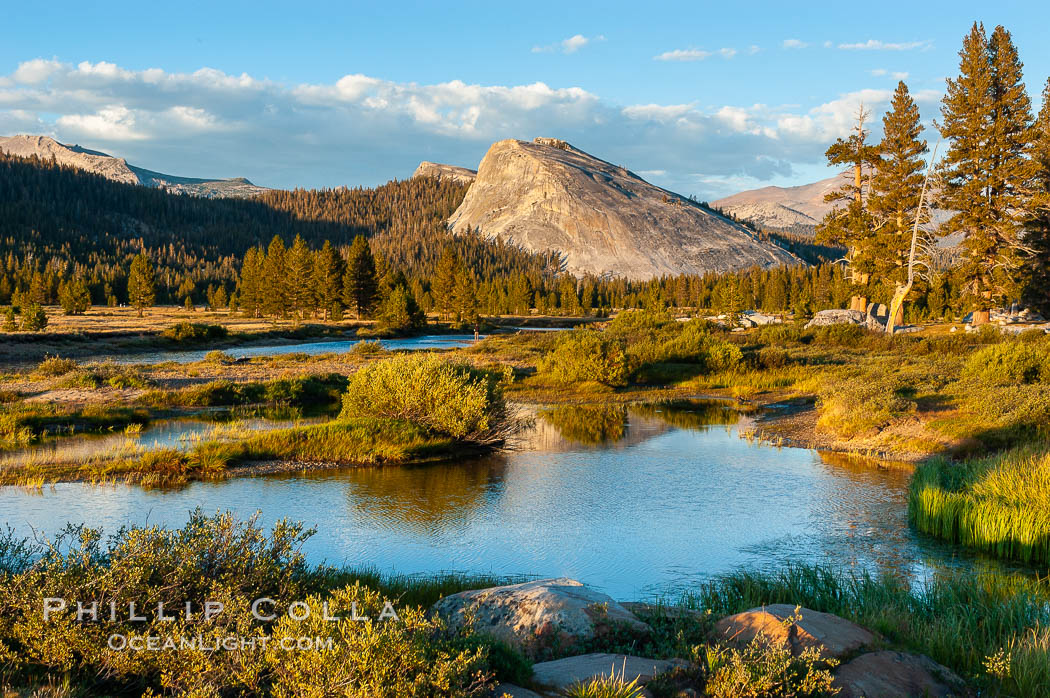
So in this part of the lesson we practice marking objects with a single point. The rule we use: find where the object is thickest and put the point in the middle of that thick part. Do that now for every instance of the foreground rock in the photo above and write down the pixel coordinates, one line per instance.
(602, 218)
(539, 614)
(507, 690)
(831, 635)
(896, 674)
(562, 673)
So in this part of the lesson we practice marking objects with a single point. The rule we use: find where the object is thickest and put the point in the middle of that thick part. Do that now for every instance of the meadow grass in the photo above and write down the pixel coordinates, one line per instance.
(999, 504)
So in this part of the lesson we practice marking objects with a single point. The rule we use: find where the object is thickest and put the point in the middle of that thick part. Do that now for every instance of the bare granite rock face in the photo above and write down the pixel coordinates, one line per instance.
(897, 674)
(118, 169)
(462, 175)
(537, 614)
(830, 635)
(560, 674)
(603, 219)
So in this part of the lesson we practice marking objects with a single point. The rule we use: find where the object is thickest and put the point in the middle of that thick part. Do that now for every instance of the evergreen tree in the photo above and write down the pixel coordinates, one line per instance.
(300, 266)
(10, 323)
(399, 312)
(1037, 228)
(328, 279)
(74, 297)
(851, 225)
(464, 298)
(444, 281)
(34, 319)
(897, 185)
(250, 284)
(274, 282)
(986, 172)
(142, 292)
(360, 286)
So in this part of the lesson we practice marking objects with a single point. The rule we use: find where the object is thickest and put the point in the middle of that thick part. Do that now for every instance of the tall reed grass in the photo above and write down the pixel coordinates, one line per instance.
(999, 504)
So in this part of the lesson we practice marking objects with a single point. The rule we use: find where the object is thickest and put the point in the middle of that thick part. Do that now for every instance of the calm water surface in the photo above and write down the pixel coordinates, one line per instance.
(637, 502)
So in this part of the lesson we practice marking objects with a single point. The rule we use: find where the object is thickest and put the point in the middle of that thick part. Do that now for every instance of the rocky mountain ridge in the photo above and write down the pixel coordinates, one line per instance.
(602, 218)
(462, 175)
(119, 170)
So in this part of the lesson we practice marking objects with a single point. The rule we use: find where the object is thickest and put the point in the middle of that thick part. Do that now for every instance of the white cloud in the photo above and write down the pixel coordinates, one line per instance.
(753, 49)
(683, 54)
(571, 45)
(881, 72)
(876, 45)
(361, 129)
(695, 54)
(794, 43)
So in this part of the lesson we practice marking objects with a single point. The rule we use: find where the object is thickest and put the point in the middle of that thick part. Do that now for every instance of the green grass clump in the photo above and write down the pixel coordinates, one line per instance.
(998, 504)
(446, 398)
(194, 332)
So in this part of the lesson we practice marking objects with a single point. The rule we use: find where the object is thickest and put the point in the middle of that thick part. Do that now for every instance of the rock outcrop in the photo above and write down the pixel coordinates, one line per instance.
(537, 614)
(603, 219)
(896, 674)
(118, 169)
(457, 174)
(830, 635)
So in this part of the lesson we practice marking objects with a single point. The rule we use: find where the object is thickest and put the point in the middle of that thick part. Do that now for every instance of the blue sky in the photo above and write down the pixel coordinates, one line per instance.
(703, 98)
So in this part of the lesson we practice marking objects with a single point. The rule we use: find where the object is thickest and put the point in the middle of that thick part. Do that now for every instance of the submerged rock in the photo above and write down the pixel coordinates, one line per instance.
(831, 635)
(538, 614)
(896, 674)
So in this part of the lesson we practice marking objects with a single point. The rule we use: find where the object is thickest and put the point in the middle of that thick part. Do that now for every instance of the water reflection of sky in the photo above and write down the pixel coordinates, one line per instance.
(670, 498)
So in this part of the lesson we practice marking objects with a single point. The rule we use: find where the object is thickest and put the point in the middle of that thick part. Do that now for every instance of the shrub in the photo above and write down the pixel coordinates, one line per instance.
(859, 405)
(190, 332)
(53, 366)
(840, 335)
(585, 355)
(1011, 362)
(34, 319)
(218, 357)
(448, 398)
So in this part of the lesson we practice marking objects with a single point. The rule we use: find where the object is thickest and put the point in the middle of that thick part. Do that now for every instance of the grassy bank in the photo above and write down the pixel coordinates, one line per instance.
(999, 504)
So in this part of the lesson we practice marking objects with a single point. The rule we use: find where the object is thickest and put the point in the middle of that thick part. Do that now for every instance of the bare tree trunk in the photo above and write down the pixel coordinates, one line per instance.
(897, 304)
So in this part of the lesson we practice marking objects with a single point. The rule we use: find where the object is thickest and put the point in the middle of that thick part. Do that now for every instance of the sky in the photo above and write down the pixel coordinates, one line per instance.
(706, 99)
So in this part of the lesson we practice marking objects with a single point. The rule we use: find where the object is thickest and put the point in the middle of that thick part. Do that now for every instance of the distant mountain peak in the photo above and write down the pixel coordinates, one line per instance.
(434, 169)
(118, 169)
(604, 220)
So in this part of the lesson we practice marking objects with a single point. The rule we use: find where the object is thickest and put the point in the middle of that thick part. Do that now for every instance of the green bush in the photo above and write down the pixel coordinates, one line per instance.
(1011, 362)
(859, 405)
(53, 366)
(585, 355)
(191, 332)
(222, 560)
(447, 398)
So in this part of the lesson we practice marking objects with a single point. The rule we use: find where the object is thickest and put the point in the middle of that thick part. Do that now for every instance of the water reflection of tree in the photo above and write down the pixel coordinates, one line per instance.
(688, 414)
(425, 498)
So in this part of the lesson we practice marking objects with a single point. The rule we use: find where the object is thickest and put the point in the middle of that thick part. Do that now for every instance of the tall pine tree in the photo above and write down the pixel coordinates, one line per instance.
(1037, 291)
(851, 225)
(300, 267)
(328, 279)
(986, 173)
(250, 282)
(896, 189)
(275, 279)
(360, 285)
(141, 283)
